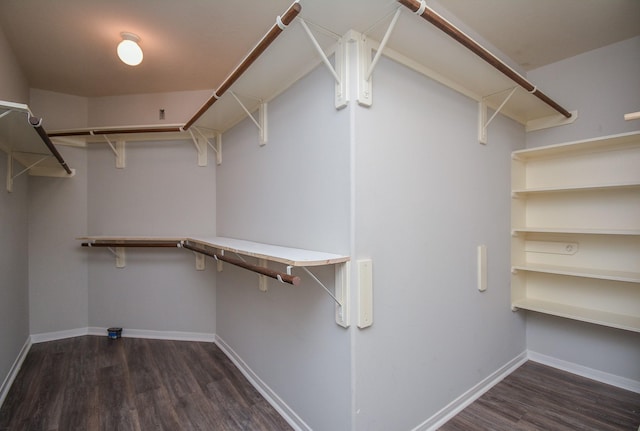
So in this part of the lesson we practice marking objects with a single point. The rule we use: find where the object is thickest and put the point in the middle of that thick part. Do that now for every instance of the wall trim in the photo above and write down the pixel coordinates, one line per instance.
(127, 333)
(58, 335)
(157, 335)
(269, 394)
(13, 371)
(581, 370)
(468, 397)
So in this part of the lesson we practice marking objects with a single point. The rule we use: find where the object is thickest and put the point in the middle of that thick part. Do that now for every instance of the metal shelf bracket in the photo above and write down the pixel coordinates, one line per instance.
(342, 291)
(339, 72)
(261, 122)
(483, 123)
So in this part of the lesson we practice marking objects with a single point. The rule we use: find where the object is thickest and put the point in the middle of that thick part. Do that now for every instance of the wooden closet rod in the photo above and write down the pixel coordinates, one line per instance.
(268, 38)
(37, 124)
(444, 25)
(285, 278)
(264, 43)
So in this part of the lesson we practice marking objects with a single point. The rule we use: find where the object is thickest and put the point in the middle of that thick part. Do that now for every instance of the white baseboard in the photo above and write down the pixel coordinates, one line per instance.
(58, 335)
(157, 335)
(272, 398)
(130, 333)
(13, 371)
(590, 373)
(457, 405)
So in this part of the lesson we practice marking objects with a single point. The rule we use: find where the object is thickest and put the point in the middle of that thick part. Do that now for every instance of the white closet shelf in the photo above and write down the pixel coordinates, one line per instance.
(215, 247)
(627, 276)
(606, 318)
(28, 144)
(274, 253)
(586, 231)
(607, 143)
(578, 188)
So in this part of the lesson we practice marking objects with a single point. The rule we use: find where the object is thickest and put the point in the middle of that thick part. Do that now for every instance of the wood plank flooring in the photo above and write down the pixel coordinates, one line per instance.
(537, 397)
(93, 383)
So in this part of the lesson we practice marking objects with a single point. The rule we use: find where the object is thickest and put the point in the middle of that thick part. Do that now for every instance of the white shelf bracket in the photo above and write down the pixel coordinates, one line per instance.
(9, 172)
(119, 151)
(216, 147)
(262, 279)
(383, 43)
(341, 296)
(339, 72)
(483, 123)
(200, 142)
(219, 266)
(261, 122)
(120, 255)
(366, 65)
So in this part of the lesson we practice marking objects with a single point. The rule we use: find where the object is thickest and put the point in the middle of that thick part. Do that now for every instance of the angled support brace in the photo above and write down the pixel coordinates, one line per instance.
(366, 65)
(10, 174)
(200, 143)
(119, 152)
(383, 43)
(341, 296)
(483, 123)
(217, 147)
(339, 73)
(261, 122)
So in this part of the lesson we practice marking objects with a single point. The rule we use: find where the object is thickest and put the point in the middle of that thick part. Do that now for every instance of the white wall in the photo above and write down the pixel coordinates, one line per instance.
(13, 83)
(427, 194)
(14, 282)
(14, 287)
(603, 85)
(161, 192)
(295, 191)
(57, 269)
(139, 109)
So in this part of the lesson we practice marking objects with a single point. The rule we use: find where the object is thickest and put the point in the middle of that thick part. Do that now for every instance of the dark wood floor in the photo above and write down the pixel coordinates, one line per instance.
(537, 397)
(93, 383)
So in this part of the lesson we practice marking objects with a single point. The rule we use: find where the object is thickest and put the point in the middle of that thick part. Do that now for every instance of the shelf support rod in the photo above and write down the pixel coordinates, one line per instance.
(261, 123)
(323, 286)
(318, 48)
(285, 278)
(217, 147)
(482, 130)
(7, 112)
(281, 23)
(118, 150)
(385, 39)
(420, 8)
(201, 148)
(29, 167)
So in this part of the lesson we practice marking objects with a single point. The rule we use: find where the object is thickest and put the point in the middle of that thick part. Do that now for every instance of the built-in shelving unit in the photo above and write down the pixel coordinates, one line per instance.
(576, 230)
(219, 249)
(24, 141)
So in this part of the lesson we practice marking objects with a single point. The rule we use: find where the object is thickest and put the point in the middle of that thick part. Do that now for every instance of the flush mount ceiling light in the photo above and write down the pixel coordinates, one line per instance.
(128, 50)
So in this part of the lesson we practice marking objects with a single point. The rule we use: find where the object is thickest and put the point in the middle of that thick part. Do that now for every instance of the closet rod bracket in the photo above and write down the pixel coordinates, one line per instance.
(261, 122)
(483, 123)
(339, 72)
(342, 292)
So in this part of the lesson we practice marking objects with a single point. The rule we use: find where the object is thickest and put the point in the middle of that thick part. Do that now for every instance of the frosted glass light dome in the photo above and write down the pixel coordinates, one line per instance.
(129, 51)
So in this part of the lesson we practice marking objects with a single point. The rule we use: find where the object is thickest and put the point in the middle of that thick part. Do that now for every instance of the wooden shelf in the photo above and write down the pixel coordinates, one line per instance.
(603, 274)
(274, 253)
(605, 318)
(575, 222)
(22, 143)
(582, 188)
(602, 144)
(585, 231)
